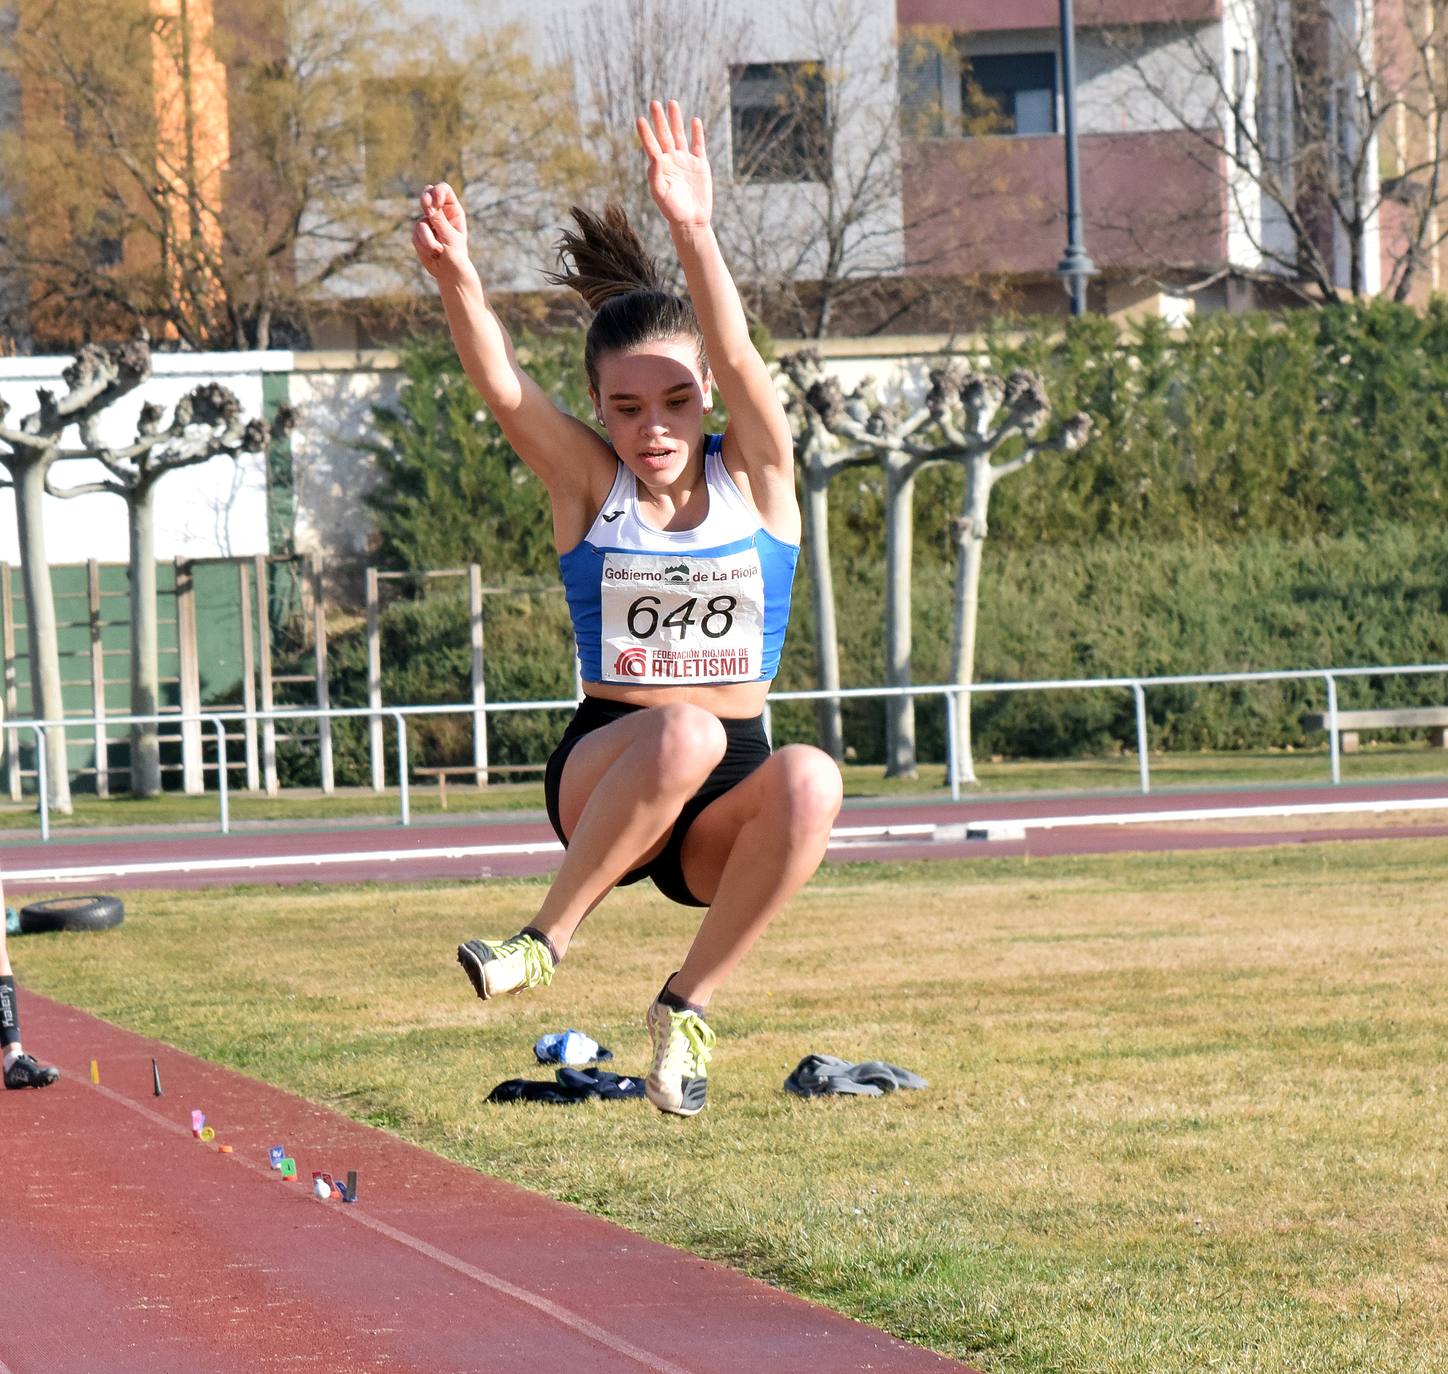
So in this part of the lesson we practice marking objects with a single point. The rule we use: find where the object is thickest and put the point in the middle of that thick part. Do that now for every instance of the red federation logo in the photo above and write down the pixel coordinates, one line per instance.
(631, 662)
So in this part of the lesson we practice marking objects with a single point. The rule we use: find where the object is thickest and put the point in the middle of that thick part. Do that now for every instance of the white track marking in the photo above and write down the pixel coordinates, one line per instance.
(981, 829)
(841, 837)
(880, 832)
(417, 1245)
(87, 871)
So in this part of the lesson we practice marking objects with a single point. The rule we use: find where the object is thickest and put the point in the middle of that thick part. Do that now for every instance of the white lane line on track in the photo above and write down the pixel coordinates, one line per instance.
(841, 837)
(63, 874)
(85, 872)
(562, 1315)
(982, 829)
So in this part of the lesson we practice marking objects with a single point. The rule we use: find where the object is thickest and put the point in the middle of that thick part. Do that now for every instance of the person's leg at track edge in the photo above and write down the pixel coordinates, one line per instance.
(20, 1069)
(621, 791)
(747, 853)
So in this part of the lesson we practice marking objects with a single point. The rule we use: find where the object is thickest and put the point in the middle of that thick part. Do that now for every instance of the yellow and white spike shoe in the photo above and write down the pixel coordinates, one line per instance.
(678, 1080)
(508, 966)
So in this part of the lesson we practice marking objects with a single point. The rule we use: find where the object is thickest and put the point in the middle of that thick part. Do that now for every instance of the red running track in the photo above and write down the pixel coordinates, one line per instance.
(132, 1248)
(520, 845)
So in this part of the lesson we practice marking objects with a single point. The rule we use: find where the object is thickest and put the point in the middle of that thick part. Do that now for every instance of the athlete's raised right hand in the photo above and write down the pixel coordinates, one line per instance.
(440, 236)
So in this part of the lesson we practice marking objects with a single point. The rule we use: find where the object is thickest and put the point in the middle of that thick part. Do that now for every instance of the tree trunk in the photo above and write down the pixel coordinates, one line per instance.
(899, 711)
(970, 532)
(828, 720)
(145, 669)
(46, 700)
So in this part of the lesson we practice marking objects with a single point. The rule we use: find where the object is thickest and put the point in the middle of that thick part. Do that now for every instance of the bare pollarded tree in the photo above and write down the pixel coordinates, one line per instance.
(967, 417)
(872, 434)
(207, 423)
(95, 380)
(979, 414)
(820, 458)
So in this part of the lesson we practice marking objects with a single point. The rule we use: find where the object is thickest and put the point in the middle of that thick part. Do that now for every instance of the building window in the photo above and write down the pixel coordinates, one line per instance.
(108, 251)
(1241, 140)
(100, 234)
(411, 135)
(1282, 131)
(1009, 93)
(779, 120)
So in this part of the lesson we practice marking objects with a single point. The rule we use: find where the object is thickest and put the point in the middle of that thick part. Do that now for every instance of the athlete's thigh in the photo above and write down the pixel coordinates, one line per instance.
(713, 832)
(592, 757)
(684, 732)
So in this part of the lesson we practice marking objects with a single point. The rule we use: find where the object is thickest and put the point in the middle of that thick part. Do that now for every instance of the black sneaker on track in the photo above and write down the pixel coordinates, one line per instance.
(508, 966)
(24, 1072)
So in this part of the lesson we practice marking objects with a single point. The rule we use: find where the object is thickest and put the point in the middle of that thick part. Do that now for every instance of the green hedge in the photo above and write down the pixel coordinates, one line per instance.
(427, 660)
(1260, 492)
(1104, 611)
(1152, 609)
(1314, 422)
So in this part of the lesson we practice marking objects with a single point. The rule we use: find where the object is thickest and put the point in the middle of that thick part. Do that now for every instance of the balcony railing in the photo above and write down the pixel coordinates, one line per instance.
(993, 16)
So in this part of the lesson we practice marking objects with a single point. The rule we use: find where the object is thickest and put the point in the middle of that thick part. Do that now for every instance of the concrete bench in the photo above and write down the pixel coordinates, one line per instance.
(469, 770)
(1434, 719)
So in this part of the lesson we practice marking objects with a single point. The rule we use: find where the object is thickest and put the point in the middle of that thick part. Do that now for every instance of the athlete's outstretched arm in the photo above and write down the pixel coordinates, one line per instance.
(682, 186)
(544, 437)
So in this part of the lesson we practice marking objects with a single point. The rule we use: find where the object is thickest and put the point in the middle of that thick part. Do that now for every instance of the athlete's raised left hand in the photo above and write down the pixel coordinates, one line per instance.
(679, 177)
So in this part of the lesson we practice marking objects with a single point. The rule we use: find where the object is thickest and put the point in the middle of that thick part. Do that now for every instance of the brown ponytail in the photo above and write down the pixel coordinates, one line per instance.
(621, 284)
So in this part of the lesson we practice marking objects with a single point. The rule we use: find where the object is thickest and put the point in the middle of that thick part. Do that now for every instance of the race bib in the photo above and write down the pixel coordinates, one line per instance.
(668, 619)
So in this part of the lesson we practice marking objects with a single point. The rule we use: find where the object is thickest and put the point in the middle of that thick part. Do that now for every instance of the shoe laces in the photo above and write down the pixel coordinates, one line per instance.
(688, 1046)
(537, 965)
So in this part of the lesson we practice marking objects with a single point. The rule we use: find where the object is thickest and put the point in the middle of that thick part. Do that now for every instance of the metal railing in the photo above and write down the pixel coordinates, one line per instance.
(950, 694)
(1136, 685)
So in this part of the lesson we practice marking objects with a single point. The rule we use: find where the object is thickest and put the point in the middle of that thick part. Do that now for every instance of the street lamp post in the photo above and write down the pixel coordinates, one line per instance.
(1076, 267)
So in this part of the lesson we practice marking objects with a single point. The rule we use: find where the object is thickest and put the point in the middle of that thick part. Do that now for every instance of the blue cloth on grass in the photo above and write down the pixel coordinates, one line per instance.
(569, 1047)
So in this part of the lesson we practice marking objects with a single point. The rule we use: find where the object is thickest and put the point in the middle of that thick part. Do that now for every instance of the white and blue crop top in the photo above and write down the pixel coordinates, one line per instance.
(663, 608)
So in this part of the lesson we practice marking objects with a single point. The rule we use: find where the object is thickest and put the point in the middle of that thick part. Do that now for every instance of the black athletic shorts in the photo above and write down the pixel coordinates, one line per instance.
(747, 748)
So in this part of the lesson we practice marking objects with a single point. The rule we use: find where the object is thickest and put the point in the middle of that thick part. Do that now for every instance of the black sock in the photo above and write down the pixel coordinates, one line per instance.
(9, 1017)
(542, 939)
(674, 1002)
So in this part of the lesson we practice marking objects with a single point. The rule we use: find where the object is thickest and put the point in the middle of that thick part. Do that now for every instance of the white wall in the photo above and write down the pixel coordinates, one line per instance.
(334, 400)
(213, 508)
(1114, 95)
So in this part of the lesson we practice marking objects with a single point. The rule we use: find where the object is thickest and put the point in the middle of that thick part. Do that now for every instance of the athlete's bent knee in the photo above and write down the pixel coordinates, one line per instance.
(813, 789)
(690, 740)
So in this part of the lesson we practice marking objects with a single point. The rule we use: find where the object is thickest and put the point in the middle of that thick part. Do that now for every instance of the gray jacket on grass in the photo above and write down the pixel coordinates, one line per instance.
(820, 1075)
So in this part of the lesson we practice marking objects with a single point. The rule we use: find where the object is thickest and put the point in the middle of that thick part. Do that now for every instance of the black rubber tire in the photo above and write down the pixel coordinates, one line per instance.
(71, 913)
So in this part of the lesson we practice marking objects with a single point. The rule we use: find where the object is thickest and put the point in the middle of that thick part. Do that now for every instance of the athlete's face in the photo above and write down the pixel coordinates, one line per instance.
(652, 400)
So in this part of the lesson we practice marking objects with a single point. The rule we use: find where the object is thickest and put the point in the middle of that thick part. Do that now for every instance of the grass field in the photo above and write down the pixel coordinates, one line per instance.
(1186, 1113)
(1001, 778)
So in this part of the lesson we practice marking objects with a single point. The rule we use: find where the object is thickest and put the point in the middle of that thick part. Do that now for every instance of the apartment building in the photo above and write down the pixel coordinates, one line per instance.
(1233, 152)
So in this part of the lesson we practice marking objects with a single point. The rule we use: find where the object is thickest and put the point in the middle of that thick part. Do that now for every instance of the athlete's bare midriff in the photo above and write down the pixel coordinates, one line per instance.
(727, 700)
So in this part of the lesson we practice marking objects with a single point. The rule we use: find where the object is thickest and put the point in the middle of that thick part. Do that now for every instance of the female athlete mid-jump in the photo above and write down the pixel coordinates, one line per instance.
(677, 550)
